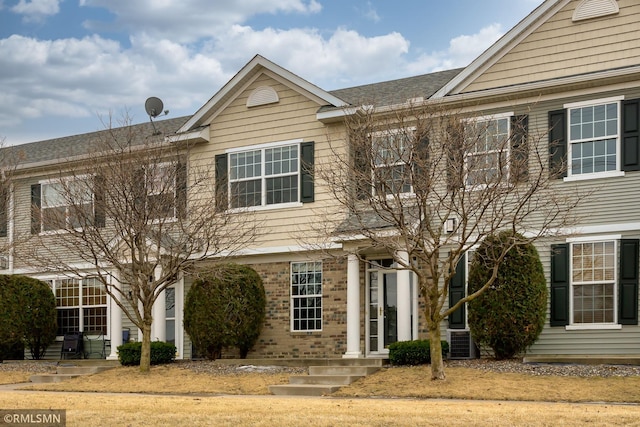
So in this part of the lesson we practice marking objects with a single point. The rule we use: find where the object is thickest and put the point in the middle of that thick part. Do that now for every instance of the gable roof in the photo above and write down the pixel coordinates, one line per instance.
(253, 68)
(500, 48)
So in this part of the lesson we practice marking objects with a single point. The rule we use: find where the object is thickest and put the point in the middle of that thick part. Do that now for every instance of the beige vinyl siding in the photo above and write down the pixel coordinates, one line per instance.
(561, 48)
(292, 118)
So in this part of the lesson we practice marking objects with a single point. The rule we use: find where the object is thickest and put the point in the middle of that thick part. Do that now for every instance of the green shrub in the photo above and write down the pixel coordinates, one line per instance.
(161, 352)
(509, 316)
(225, 309)
(27, 315)
(416, 352)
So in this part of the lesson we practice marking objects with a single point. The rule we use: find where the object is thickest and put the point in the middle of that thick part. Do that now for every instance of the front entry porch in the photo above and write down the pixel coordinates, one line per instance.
(390, 307)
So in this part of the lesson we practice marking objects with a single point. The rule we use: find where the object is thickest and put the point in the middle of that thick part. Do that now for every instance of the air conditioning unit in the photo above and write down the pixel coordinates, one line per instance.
(461, 345)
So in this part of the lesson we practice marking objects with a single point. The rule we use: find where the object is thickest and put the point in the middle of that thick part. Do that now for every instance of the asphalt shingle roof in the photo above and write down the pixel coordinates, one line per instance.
(395, 91)
(379, 94)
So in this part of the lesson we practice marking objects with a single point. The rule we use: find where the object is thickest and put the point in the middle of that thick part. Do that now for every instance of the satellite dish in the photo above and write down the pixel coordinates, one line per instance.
(153, 106)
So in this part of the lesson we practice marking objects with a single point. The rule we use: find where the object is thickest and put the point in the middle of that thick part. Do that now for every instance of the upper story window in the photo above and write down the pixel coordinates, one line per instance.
(263, 177)
(62, 204)
(593, 138)
(488, 145)
(162, 183)
(391, 162)
(277, 174)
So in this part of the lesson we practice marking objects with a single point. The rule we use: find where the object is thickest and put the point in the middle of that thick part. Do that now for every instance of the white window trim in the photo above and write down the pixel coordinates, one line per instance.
(80, 295)
(595, 175)
(262, 147)
(486, 118)
(594, 326)
(292, 298)
(53, 181)
(390, 165)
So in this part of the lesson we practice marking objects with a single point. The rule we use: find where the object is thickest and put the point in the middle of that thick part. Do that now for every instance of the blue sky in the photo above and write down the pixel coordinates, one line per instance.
(67, 66)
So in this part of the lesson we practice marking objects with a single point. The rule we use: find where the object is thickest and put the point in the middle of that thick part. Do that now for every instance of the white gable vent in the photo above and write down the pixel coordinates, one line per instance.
(261, 96)
(588, 9)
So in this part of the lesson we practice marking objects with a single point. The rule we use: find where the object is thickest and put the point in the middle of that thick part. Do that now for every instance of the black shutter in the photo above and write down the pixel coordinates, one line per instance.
(520, 149)
(559, 285)
(181, 190)
(454, 147)
(222, 183)
(558, 143)
(631, 135)
(362, 177)
(456, 293)
(98, 201)
(36, 204)
(420, 179)
(306, 172)
(628, 290)
(4, 209)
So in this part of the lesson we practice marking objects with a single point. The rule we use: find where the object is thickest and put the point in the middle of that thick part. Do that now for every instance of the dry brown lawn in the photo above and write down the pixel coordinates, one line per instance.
(106, 410)
(203, 399)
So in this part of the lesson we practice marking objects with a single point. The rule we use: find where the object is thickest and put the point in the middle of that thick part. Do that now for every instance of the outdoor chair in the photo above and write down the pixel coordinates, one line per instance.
(94, 344)
(72, 346)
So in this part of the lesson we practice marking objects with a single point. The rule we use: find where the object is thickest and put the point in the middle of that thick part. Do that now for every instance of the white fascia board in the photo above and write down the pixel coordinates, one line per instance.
(332, 115)
(501, 47)
(200, 135)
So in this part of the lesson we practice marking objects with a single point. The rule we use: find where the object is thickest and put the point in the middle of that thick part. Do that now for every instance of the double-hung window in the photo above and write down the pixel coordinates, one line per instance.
(161, 190)
(306, 296)
(488, 150)
(593, 282)
(594, 137)
(265, 176)
(67, 204)
(391, 162)
(81, 305)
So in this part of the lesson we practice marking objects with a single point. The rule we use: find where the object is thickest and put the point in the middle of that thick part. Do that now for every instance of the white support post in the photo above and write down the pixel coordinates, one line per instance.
(159, 325)
(353, 308)
(404, 299)
(115, 321)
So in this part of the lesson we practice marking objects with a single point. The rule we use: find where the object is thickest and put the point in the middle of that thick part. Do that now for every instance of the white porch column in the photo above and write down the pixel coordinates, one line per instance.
(404, 299)
(115, 322)
(353, 308)
(159, 325)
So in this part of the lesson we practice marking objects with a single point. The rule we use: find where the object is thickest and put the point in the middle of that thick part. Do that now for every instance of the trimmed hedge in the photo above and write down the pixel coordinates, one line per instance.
(225, 309)
(510, 314)
(27, 316)
(161, 352)
(416, 352)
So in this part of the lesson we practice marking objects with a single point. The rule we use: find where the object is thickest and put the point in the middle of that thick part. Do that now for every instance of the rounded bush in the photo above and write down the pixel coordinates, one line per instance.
(27, 315)
(225, 309)
(509, 316)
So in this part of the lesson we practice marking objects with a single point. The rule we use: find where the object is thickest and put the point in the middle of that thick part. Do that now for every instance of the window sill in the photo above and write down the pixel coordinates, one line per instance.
(590, 176)
(307, 333)
(593, 327)
(267, 207)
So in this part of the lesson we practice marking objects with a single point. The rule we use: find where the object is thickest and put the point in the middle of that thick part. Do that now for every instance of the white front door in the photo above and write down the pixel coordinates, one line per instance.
(382, 310)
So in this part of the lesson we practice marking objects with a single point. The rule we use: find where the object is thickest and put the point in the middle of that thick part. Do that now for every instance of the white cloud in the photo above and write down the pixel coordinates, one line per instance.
(36, 10)
(462, 50)
(167, 18)
(371, 13)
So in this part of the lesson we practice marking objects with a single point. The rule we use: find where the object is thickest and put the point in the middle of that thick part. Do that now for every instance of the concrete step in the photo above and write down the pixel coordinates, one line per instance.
(81, 370)
(324, 379)
(303, 389)
(52, 378)
(343, 370)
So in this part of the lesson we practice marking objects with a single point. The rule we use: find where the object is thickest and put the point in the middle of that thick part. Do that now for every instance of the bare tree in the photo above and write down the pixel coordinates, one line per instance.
(122, 211)
(425, 185)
